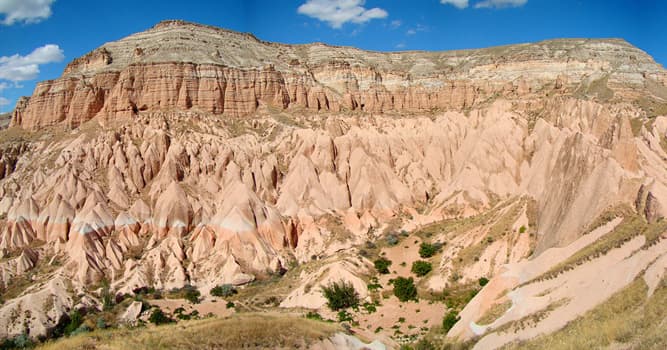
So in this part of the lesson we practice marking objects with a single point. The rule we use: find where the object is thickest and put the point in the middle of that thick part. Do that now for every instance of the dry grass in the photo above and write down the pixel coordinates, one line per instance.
(627, 318)
(629, 228)
(247, 331)
(651, 106)
(495, 312)
(532, 319)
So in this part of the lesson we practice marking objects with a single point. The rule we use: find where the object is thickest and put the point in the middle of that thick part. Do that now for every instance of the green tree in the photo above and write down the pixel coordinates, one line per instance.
(223, 290)
(340, 295)
(382, 265)
(421, 268)
(405, 289)
(158, 317)
(450, 320)
(427, 250)
(191, 294)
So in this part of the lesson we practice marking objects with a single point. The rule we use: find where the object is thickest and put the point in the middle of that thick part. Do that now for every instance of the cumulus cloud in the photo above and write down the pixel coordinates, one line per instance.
(27, 11)
(338, 12)
(19, 68)
(460, 4)
(500, 3)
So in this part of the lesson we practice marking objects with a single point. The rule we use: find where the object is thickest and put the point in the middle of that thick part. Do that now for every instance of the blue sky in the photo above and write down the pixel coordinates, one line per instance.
(39, 37)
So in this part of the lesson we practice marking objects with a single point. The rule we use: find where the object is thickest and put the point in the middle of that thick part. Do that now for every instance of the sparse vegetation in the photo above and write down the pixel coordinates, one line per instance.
(263, 331)
(340, 295)
(628, 318)
(629, 228)
(494, 312)
(457, 297)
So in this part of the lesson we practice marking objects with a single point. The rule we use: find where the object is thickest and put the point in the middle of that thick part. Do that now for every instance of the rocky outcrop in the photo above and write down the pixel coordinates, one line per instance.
(179, 65)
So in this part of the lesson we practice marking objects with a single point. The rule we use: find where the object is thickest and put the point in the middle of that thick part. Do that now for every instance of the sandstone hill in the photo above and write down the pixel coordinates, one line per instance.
(189, 156)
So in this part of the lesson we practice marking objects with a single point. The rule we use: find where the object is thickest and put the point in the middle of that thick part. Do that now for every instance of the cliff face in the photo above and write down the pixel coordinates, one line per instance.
(178, 65)
(195, 155)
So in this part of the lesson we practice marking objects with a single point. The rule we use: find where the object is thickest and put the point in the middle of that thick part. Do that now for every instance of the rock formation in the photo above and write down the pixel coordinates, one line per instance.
(188, 154)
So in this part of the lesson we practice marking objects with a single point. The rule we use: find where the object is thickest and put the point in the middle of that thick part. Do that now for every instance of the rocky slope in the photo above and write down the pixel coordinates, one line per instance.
(189, 154)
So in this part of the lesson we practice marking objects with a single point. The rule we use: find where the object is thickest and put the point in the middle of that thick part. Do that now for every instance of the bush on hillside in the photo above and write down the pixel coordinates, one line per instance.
(382, 265)
(223, 290)
(421, 268)
(405, 289)
(483, 281)
(450, 320)
(427, 250)
(340, 295)
(158, 317)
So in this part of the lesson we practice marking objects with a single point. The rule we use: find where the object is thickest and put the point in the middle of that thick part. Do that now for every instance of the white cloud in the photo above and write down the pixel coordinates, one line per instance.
(4, 101)
(416, 29)
(460, 4)
(27, 11)
(3, 86)
(500, 3)
(338, 12)
(19, 68)
(396, 23)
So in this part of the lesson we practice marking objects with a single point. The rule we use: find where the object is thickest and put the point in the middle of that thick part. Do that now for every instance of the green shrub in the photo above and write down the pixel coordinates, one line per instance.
(340, 295)
(82, 329)
(370, 307)
(312, 315)
(158, 317)
(75, 321)
(344, 316)
(374, 286)
(450, 320)
(405, 289)
(421, 268)
(188, 292)
(522, 229)
(223, 290)
(230, 305)
(382, 265)
(427, 250)
(483, 281)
